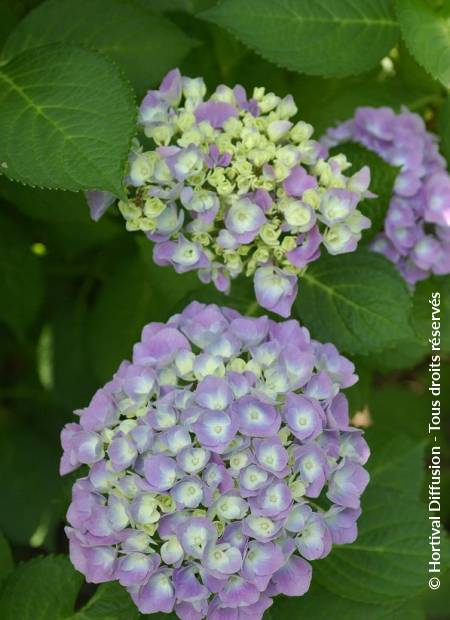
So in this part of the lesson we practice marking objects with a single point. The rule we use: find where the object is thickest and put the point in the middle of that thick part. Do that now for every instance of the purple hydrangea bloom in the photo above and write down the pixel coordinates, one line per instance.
(232, 186)
(98, 202)
(200, 494)
(416, 235)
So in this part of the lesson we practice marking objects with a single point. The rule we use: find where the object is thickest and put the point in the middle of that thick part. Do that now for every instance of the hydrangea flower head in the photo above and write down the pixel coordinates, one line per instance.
(230, 185)
(220, 462)
(416, 235)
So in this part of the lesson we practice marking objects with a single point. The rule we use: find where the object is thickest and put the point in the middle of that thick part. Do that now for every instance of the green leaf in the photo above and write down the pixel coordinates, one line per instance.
(63, 223)
(20, 7)
(426, 32)
(407, 352)
(145, 45)
(444, 129)
(185, 6)
(240, 298)
(357, 301)
(340, 98)
(134, 293)
(46, 205)
(412, 610)
(110, 602)
(437, 603)
(382, 182)
(411, 350)
(29, 461)
(7, 21)
(317, 37)
(414, 76)
(358, 395)
(75, 114)
(393, 460)
(6, 559)
(80, 237)
(74, 381)
(120, 312)
(42, 589)
(21, 281)
(399, 409)
(375, 577)
(47, 588)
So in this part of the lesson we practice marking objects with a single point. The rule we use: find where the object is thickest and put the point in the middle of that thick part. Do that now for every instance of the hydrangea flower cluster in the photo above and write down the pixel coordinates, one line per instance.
(416, 234)
(230, 185)
(219, 463)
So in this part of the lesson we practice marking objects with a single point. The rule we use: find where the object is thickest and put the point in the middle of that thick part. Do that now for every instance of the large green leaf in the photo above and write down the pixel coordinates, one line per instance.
(398, 409)
(20, 7)
(444, 129)
(110, 602)
(29, 465)
(21, 281)
(357, 301)
(74, 381)
(340, 98)
(47, 588)
(414, 76)
(437, 602)
(385, 569)
(42, 589)
(6, 559)
(145, 45)
(7, 21)
(185, 6)
(46, 205)
(318, 37)
(381, 183)
(411, 349)
(75, 114)
(406, 352)
(62, 220)
(426, 31)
